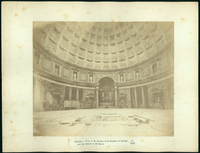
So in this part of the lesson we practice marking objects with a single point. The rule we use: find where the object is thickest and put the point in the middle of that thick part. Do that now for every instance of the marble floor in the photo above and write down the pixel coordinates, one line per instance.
(104, 122)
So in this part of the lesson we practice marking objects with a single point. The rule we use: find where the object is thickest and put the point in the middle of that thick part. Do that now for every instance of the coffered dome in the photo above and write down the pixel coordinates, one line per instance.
(104, 45)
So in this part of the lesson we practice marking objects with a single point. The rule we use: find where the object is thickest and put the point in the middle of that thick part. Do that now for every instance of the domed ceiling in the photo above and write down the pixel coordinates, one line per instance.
(103, 45)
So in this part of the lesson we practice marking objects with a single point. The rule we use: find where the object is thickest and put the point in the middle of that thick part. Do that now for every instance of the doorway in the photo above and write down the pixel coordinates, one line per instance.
(106, 92)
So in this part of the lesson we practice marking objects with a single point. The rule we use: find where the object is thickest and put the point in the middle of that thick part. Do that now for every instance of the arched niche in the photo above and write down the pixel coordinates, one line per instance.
(101, 76)
(106, 92)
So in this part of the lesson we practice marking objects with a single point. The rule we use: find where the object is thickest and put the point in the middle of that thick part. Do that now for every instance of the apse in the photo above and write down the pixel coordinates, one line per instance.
(106, 92)
(106, 83)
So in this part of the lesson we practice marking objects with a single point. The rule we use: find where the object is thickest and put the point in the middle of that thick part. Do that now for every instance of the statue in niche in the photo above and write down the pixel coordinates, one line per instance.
(137, 74)
(122, 78)
(155, 68)
(75, 75)
(91, 78)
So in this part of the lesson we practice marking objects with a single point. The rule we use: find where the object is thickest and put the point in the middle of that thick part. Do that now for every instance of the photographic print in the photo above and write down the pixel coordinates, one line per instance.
(99, 76)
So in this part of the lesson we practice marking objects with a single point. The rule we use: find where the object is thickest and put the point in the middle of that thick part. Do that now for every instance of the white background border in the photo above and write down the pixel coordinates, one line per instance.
(17, 75)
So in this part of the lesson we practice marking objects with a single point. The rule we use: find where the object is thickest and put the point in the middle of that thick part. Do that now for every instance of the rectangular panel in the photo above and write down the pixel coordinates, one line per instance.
(129, 76)
(164, 63)
(47, 64)
(146, 71)
(83, 77)
(66, 72)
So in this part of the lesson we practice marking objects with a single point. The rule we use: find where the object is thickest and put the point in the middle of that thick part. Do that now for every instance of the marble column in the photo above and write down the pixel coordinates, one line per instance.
(77, 94)
(97, 96)
(63, 94)
(136, 105)
(143, 100)
(70, 93)
(116, 95)
(84, 94)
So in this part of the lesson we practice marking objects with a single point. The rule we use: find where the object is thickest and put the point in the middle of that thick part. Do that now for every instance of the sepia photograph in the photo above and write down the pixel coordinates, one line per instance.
(103, 78)
(99, 76)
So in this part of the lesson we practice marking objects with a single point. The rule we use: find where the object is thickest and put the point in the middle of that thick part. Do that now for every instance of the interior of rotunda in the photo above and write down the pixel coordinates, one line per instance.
(103, 74)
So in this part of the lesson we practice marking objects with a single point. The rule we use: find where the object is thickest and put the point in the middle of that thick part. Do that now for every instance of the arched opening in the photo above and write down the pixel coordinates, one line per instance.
(106, 92)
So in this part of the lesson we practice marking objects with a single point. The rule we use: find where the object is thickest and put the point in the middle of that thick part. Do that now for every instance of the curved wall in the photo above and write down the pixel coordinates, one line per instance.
(91, 45)
(59, 84)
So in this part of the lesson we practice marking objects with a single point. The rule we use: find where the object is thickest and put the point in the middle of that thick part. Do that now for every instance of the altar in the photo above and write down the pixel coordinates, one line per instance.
(106, 97)
(107, 93)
